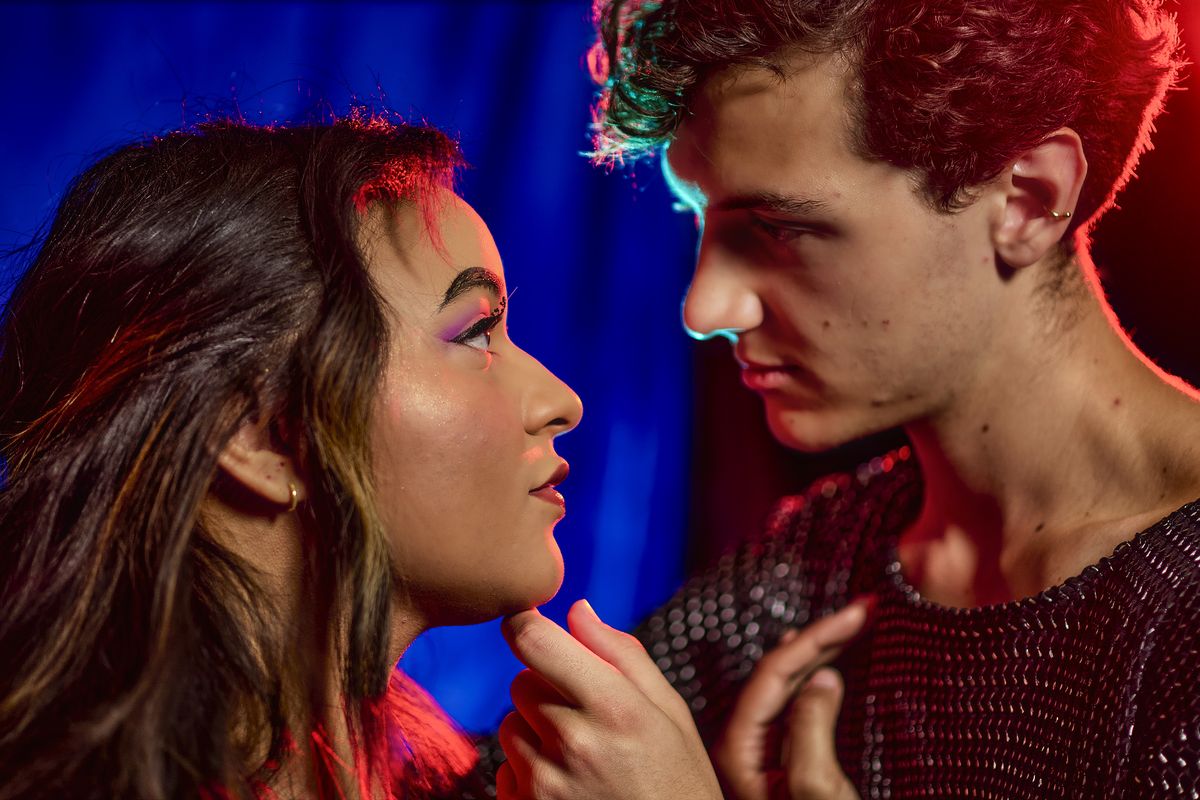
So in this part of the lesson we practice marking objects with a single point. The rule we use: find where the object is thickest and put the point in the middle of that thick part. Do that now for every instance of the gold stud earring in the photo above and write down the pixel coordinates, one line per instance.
(1060, 214)
(295, 497)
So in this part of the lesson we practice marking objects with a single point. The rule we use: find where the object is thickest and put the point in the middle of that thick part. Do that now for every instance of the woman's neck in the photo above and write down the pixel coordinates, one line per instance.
(326, 745)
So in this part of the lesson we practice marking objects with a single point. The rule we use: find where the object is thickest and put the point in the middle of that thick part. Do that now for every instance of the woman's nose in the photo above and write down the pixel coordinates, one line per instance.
(550, 405)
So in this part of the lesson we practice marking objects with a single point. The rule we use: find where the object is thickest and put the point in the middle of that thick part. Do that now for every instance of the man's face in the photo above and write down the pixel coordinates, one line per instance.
(859, 306)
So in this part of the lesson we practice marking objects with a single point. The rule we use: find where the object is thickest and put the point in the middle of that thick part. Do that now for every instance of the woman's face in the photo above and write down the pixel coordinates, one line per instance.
(464, 427)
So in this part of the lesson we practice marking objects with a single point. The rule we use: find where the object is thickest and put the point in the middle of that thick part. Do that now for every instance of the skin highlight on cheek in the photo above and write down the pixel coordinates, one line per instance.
(457, 458)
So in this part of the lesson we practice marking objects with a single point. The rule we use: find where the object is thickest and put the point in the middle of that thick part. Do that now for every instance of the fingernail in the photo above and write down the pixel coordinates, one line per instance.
(588, 607)
(788, 635)
(851, 613)
(862, 605)
(824, 678)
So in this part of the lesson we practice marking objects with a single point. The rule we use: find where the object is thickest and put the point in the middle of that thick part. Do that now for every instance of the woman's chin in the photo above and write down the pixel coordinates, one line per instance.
(539, 583)
(533, 584)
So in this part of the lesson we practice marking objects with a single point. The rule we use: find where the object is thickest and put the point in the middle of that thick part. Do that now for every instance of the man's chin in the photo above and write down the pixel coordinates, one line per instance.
(809, 430)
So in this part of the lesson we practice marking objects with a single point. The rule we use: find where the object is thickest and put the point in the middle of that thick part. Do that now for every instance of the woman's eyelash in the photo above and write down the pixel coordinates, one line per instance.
(485, 325)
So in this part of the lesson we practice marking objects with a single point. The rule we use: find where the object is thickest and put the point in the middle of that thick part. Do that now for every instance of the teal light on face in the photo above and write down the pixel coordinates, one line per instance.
(689, 199)
(731, 334)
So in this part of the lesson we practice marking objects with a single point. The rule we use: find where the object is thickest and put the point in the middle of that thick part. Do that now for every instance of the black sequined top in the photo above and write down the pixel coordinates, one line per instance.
(1090, 689)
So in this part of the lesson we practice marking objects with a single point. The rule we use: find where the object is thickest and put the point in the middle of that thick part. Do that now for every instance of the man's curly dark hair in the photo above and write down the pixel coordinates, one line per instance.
(953, 90)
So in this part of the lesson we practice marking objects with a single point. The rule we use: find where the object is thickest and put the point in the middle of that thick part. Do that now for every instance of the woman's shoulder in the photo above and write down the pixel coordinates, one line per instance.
(430, 755)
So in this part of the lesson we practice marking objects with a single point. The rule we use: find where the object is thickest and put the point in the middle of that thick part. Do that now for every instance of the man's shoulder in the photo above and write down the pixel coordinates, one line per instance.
(1163, 573)
(1167, 564)
(879, 496)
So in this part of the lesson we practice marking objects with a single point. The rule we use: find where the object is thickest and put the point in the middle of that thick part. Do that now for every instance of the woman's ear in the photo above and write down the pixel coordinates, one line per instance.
(259, 467)
(1040, 192)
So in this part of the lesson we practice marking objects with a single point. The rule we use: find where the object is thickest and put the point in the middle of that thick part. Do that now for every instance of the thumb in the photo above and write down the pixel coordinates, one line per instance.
(626, 653)
(810, 756)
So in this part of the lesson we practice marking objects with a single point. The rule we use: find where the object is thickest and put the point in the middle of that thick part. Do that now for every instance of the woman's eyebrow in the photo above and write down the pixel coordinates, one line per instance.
(471, 278)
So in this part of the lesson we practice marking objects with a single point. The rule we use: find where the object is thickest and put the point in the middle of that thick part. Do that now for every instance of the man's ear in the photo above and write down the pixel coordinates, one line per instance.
(259, 467)
(1040, 191)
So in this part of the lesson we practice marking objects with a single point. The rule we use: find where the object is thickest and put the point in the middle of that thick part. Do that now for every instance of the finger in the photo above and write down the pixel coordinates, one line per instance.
(521, 747)
(578, 674)
(542, 707)
(741, 753)
(625, 653)
(810, 760)
(534, 774)
(506, 783)
(779, 674)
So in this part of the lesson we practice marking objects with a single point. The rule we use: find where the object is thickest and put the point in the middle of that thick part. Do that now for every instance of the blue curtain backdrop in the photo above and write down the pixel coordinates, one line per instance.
(598, 261)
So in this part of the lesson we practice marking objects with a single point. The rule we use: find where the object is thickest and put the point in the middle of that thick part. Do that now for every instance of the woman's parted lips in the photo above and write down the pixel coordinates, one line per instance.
(558, 476)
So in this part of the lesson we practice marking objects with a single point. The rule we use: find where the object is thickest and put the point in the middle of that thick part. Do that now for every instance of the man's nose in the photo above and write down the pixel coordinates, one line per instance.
(720, 301)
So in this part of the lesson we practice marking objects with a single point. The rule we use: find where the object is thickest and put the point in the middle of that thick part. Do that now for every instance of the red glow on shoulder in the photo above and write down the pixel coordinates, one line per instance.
(429, 753)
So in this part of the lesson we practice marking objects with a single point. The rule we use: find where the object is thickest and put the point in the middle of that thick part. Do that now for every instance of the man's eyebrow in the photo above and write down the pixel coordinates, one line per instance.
(472, 278)
(771, 201)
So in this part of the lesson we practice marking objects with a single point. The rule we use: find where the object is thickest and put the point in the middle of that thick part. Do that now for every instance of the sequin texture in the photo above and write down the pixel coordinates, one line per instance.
(1086, 690)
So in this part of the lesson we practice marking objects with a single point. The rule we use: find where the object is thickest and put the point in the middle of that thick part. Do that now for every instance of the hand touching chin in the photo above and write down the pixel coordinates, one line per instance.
(595, 719)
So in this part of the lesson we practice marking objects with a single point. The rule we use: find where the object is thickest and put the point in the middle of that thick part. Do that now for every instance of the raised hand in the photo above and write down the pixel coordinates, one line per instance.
(793, 673)
(595, 719)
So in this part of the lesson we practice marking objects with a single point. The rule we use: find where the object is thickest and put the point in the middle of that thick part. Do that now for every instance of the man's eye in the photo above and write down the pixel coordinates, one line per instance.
(779, 231)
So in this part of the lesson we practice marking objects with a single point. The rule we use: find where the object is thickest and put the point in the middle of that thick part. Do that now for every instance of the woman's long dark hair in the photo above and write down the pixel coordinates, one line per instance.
(188, 285)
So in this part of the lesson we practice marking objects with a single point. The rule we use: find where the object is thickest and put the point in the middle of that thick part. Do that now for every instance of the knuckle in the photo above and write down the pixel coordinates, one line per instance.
(511, 720)
(577, 746)
(510, 733)
(678, 709)
(523, 685)
(629, 643)
(775, 662)
(543, 783)
(819, 783)
(506, 726)
(522, 678)
(621, 715)
(801, 650)
(530, 639)
(814, 707)
(506, 782)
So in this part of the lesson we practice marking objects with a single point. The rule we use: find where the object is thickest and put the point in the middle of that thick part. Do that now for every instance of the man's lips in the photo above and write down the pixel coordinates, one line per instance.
(765, 379)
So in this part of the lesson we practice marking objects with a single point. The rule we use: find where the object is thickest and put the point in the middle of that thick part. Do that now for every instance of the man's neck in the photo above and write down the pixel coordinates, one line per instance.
(1071, 445)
